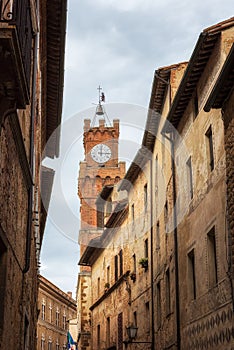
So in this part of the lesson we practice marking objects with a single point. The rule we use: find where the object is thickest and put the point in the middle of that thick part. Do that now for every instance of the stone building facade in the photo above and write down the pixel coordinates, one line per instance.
(204, 290)
(100, 168)
(30, 111)
(174, 210)
(57, 313)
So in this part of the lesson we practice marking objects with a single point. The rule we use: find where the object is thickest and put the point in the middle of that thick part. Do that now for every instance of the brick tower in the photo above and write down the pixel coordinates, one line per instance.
(100, 168)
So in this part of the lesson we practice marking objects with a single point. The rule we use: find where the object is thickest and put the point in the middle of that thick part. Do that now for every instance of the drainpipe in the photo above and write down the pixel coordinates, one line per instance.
(31, 158)
(171, 138)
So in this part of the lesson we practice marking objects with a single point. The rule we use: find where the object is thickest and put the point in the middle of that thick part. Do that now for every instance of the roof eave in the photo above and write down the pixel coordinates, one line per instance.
(223, 85)
(56, 33)
(91, 250)
(185, 77)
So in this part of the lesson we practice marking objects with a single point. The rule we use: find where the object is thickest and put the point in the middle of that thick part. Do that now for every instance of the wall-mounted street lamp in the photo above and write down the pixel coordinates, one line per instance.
(132, 333)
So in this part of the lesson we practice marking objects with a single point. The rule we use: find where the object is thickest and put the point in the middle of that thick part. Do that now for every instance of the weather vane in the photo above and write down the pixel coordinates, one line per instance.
(101, 95)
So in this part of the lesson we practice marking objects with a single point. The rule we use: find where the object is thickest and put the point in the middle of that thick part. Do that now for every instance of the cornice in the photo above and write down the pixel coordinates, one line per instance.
(53, 291)
(50, 326)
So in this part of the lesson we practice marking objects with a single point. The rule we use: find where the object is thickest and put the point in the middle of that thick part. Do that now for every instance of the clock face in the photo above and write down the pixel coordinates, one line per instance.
(101, 153)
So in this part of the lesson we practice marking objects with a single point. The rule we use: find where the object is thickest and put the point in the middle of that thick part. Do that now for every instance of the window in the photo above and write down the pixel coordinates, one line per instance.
(120, 332)
(108, 331)
(147, 316)
(166, 215)
(43, 309)
(116, 268)
(64, 320)
(168, 292)
(159, 305)
(42, 341)
(145, 198)
(50, 344)
(98, 286)
(57, 344)
(98, 337)
(57, 317)
(108, 274)
(146, 248)
(195, 105)
(210, 149)
(189, 177)
(132, 214)
(26, 332)
(158, 235)
(212, 258)
(51, 313)
(120, 262)
(134, 263)
(191, 275)
(156, 174)
(135, 318)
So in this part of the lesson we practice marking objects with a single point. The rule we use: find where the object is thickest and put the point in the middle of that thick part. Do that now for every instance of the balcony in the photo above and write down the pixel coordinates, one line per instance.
(16, 33)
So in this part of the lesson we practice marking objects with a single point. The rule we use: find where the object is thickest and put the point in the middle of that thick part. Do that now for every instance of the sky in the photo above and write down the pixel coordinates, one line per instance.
(117, 44)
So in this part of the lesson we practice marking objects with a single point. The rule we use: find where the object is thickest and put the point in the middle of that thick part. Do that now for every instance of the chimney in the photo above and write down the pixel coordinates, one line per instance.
(69, 294)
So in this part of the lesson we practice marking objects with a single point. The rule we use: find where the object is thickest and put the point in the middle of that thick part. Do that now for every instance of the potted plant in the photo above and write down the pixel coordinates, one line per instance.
(107, 286)
(133, 276)
(144, 262)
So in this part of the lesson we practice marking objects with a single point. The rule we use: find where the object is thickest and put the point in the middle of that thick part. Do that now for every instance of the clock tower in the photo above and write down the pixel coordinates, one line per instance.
(101, 167)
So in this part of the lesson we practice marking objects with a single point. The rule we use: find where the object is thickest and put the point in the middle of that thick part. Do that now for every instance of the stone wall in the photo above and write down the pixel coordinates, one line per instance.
(19, 290)
(228, 116)
(84, 288)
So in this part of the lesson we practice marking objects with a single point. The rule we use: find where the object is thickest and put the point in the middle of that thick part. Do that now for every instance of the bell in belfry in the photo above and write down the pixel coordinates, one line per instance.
(99, 110)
